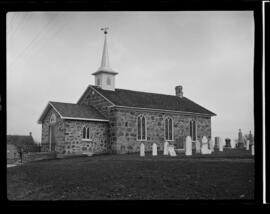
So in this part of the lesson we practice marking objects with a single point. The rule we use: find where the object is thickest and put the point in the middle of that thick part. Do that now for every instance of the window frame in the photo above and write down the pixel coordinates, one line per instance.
(86, 137)
(191, 128)
(168, 119)
(98, 81)
(141, 129)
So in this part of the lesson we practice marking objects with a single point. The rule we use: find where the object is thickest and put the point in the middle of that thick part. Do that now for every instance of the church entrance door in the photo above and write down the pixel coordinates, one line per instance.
(52, 138)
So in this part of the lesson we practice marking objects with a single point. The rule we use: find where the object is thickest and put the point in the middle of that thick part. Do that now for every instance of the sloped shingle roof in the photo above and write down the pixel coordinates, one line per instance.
(77, 111)
(20, 140)
(139, 99)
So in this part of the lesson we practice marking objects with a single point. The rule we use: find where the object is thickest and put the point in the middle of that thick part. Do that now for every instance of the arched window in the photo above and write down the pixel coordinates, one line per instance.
(141, 128)
(108, 81)
(193, 130)
(168, 129)
(98, 81)
(86, 133)
(52, 119)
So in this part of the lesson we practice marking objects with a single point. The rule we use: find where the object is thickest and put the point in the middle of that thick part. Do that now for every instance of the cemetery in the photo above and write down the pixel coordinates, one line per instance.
(210, 170)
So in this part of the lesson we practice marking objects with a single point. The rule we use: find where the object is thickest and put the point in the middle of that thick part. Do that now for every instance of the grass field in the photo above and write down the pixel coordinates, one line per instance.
(226, 175)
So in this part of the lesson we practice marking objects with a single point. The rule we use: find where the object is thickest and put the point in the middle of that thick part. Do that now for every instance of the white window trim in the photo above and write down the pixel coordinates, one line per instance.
(141, 115)
(169, 117)
(86, 139)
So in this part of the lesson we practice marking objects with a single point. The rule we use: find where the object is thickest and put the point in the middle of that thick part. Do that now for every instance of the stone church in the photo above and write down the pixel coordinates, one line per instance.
(106, 119)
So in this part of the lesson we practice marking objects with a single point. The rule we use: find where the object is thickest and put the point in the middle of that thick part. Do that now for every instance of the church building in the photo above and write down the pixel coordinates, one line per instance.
(106, 119)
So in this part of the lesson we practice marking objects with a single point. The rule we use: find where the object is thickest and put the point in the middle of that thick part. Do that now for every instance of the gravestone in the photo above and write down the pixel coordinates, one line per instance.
(228, 143)
(220, 144)
(233, 144)
(154, 149)
(240, 139)
(211, 145)
(216, 143)
(188, 148)
(142, 149)
(171, 151)
(247, 145)
(165, 151)
(205, 150)
(252, 150)
(198, 146)
(251, 139)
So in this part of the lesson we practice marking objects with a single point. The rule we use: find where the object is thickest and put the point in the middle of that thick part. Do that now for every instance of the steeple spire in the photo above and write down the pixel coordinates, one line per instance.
(105, 65)
(104, 76)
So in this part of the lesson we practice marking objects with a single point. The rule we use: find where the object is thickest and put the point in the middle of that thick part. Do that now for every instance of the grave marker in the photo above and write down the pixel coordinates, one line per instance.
(165, 151)
(142, 153)
(205, 149)
(233, 144)
(198, 146)
(154, 149)
(247, 145)
(220, 144)
(171, 151)
(211, 145)
(188, 148)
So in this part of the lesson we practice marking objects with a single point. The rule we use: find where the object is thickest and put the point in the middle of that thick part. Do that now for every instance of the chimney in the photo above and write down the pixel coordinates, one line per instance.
(30, 133)
(179, 91)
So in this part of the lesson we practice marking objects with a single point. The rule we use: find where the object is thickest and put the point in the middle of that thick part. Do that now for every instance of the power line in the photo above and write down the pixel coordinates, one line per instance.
(19, 25)
(33, 40)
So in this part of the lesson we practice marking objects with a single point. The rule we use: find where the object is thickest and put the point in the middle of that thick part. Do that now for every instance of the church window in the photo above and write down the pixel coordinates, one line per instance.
(98, 81)
(193, 130)
(52, 119)
(141, 128)
(86, 133)
(108, 81)
(168, 129)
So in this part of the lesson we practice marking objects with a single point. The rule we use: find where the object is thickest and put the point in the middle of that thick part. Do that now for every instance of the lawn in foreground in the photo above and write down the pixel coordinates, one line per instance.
(133, 177)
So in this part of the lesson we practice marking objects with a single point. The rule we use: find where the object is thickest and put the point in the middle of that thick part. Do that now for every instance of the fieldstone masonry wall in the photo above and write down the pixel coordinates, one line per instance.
(68, 136)
(74, 143)
(92, 98)
(58, 132)
(123, 129)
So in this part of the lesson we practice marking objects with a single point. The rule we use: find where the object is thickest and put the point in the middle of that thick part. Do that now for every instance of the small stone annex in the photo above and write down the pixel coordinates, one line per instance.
(110, 120)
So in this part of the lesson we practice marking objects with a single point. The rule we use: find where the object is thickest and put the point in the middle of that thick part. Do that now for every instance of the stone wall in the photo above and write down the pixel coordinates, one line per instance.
(92, 98)
(74, 144)
(123, 129)
(58, 132)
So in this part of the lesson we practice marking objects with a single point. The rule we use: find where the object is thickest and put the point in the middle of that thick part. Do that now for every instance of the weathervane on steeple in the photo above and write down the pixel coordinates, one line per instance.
(105, 76)
(105, 30)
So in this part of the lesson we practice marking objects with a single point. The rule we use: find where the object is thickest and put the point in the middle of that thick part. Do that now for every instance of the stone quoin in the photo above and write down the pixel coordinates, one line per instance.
(110, 120)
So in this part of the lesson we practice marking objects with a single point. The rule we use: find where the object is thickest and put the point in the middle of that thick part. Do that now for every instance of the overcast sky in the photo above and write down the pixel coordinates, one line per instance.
(51, 56)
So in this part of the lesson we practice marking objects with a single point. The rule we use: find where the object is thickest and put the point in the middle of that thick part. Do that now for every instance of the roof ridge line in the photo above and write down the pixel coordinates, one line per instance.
(140, 91)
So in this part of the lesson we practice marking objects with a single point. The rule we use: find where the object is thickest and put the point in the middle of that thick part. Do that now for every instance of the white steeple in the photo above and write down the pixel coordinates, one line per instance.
(104, 76)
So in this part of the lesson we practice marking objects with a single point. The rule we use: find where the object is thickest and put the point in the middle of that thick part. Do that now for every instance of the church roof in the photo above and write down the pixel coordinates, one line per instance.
(128, 98)
(73, 112)
(24, 141)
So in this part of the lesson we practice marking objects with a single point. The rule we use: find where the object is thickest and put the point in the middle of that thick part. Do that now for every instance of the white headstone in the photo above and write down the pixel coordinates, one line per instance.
(198, 146)
(211, 145)
(220, 144)
(142, 150)
(205, 149)
(165, 151)
(188, 146)
(252, 150)
(154, 151)
(247, 145)
(171, 151)
(233, 144)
